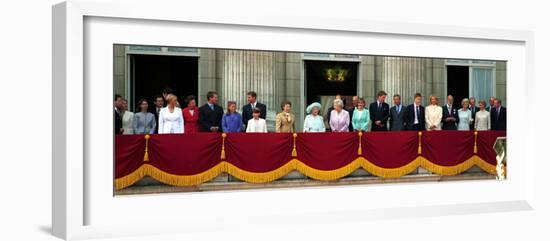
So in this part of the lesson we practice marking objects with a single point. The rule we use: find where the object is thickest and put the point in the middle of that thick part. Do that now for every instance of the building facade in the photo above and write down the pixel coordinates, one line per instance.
(141, 71)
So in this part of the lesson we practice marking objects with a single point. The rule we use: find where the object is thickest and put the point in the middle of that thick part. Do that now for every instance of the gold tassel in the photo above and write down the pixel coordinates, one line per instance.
(222, 156)
(294, 153)
(419, 142)
(146, 156)
(475, 142)
(360, 150)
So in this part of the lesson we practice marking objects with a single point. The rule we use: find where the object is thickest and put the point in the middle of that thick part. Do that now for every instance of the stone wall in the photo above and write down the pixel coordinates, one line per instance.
(278, 76)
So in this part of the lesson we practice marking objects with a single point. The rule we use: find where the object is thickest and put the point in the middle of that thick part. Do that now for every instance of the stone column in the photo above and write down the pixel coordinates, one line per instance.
(402, 75)
(240, 71)
(207, 74)
(293, 87)
(439, 83)
(500, 80)
(119, 73)
(368, 78)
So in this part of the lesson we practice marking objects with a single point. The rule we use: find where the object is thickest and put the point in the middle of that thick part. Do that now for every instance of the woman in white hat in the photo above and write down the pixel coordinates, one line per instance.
(314, 121)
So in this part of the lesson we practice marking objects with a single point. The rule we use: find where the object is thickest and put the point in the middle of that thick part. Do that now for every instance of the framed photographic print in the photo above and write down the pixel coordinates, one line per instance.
(208, 122)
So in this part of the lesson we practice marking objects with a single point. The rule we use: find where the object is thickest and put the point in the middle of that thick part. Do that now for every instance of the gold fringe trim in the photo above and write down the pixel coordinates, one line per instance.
(419, 142)
(170, 179)
(327, 175)
(390, 172)
(261, 177)
(146, 155)
(222, 155)
(295, 164)
(459, 168)
(294, 153)
(360, 150)
(131, 178)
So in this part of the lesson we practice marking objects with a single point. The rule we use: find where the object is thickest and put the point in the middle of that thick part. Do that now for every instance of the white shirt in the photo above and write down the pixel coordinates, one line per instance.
(170, 122)
(482, 120)
(128, 122)
(434, 113)
(256, 125)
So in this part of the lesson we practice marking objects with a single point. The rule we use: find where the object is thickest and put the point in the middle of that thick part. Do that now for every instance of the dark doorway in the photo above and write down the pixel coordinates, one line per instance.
(458, 83)
(329, 78)
(150, 74)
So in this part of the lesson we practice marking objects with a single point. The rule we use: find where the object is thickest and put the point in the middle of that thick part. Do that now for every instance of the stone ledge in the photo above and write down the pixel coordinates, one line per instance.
(149, 186)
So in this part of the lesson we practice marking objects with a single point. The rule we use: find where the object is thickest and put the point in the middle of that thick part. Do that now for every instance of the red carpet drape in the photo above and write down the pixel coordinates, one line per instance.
(192, 159)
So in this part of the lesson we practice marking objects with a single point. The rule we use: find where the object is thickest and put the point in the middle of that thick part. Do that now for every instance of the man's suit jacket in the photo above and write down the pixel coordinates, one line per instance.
(118, 122)
(153, 110)
(449, 125)
(498, 122)
(209, 118)
(409, 118)
(397, 120)
(247, 112)
(379, 114)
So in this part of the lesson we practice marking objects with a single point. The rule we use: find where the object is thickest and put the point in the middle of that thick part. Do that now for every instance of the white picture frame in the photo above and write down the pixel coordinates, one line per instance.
(83, 204)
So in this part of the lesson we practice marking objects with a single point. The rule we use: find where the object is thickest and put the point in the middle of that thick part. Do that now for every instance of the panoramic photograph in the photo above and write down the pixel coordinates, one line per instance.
(192, 119)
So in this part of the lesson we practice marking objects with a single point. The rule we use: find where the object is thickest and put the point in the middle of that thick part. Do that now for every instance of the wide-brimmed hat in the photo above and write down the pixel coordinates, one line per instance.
(313, 105)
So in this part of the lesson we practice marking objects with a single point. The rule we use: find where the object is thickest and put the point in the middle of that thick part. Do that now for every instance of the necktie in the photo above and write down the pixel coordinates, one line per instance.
(211, 107)
(417, 114)
(398, 109)
(379, 106)
(498, 112)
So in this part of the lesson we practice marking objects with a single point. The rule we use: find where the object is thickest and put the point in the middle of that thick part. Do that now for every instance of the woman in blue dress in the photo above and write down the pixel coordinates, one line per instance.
(314, 121)
(232, 120)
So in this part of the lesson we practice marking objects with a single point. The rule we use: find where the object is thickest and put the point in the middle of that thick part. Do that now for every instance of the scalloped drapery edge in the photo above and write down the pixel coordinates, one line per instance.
(295, 164)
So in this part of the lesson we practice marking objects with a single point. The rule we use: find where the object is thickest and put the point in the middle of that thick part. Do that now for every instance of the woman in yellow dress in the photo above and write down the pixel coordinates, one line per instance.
(284, 121)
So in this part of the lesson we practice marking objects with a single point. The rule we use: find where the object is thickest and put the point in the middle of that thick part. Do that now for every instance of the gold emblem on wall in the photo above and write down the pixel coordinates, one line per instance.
(336, 74)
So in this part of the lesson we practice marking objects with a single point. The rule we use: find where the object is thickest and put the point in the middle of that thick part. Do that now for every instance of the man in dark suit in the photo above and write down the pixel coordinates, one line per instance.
(450, 115)
(498, 116)
(415, 115)
(248, 108)
(118, 102)
(210, 114)
(397, 115)
(379, 112)
(473, 109)
(155, 110)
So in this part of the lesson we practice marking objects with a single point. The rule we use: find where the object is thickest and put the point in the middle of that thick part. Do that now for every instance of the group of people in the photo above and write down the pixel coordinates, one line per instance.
(166, 116)
(414, 117)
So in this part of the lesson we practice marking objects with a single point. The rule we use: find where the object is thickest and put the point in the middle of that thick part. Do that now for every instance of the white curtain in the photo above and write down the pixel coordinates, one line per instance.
(482, 83)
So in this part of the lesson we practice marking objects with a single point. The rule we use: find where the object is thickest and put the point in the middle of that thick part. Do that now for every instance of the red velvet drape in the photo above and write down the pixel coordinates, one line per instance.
(195, 153)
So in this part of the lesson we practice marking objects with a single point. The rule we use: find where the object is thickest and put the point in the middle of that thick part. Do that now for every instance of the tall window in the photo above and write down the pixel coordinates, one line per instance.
(482, 83)
(481, 78)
